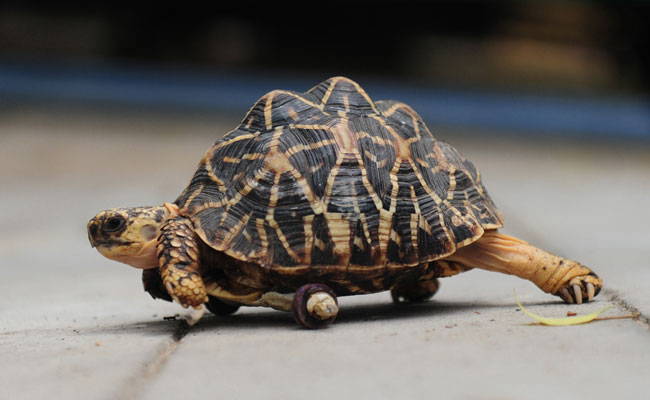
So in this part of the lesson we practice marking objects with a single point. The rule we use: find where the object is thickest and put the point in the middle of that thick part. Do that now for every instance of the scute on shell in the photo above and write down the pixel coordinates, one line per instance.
(331, 178)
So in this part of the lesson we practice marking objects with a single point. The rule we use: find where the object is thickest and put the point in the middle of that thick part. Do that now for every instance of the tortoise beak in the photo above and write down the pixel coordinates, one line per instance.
(93, 231)
(105, 227)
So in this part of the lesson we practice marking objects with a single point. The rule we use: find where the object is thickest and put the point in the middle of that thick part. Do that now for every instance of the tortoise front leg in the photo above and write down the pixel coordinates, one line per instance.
(571, 281)
(179, 263)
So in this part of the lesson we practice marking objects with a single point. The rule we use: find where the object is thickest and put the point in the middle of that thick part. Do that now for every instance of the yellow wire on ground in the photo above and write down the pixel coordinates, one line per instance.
(566, 321)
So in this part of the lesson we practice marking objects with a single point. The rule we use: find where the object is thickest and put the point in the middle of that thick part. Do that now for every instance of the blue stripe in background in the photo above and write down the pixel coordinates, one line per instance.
(141, 87)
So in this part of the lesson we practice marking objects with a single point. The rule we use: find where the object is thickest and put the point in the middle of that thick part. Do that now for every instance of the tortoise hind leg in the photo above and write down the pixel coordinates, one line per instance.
(571, 281)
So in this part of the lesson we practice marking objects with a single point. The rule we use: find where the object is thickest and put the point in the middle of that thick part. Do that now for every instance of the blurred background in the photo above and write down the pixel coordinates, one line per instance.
(567, 68)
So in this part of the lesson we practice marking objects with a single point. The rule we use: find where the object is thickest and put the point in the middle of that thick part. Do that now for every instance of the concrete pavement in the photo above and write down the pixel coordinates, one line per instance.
(75, 325)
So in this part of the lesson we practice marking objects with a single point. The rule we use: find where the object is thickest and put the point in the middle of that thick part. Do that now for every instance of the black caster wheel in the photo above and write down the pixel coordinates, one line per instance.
(220, 307)
(414, 291)
(315, 306)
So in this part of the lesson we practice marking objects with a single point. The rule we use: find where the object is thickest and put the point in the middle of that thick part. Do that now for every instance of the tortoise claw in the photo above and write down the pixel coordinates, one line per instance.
(577, 294)
(564, 293)
(580, 289)
(591, 290)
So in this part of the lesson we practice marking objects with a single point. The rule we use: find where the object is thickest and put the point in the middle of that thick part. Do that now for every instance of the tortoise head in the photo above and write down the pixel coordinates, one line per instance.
(129, 235)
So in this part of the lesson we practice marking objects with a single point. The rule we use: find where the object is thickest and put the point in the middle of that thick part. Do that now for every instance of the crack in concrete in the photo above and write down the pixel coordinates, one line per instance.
(134, 387)
(616, 298)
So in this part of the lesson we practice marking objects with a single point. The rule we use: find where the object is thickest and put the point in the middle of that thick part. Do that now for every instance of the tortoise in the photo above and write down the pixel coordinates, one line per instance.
(322, 194)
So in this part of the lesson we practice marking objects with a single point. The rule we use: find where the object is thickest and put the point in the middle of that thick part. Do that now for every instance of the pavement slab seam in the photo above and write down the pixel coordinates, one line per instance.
(615, 297)
(138, 383)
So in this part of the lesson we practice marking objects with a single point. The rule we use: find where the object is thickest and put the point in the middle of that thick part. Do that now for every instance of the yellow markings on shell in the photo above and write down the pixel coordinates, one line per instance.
(355, 200)
(309, 126)
(436, 199)
(307, 221)
(279, 163)
(415, 219)
(452, 183)
(270, 218)
(366, 183)
(346, 103)
(416, 126)
(312, 146)
(344, 137)
(268, 109)
(392, 109)
(406, 108)
(231, 160)
(229, 133)
(236, 228)
(364, 225)
(320, 244)
(192, 197)
(274, 196)
(340, 233)
(252, 156)
(365, 96)
(247, 235)
(316, 204)
(456, 220)
(295, 96)
(478, 185)
(261, 231)
(207, 161)
(439, 158)
(359, 243)
(330, 179)
(293, 114)
(209, 204)
(239, 195)
(422, 162)
(395, 237)
(430, 192)
(275, 160)
(422, 222)
(375, 139)
(234, 140)
(401, 146)
(394, 185)
(329, 91)
(386, 217)
(283, 239)
(370, 156)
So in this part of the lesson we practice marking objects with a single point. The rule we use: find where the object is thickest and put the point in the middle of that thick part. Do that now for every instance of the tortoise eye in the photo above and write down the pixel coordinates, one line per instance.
(114, 224)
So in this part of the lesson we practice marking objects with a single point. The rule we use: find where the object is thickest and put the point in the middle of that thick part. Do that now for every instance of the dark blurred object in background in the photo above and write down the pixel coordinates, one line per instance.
(559, 66)
(584, 46)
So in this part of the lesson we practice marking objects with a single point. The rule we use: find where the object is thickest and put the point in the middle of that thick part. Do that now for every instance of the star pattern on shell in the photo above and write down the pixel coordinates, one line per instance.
(331, 178)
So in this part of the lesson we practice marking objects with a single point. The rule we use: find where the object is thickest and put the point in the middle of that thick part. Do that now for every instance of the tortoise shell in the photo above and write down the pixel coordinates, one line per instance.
(331, 179)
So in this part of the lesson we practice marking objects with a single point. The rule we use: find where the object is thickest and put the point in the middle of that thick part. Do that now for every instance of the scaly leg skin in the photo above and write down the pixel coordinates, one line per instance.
(179, 265)
(494, 251)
